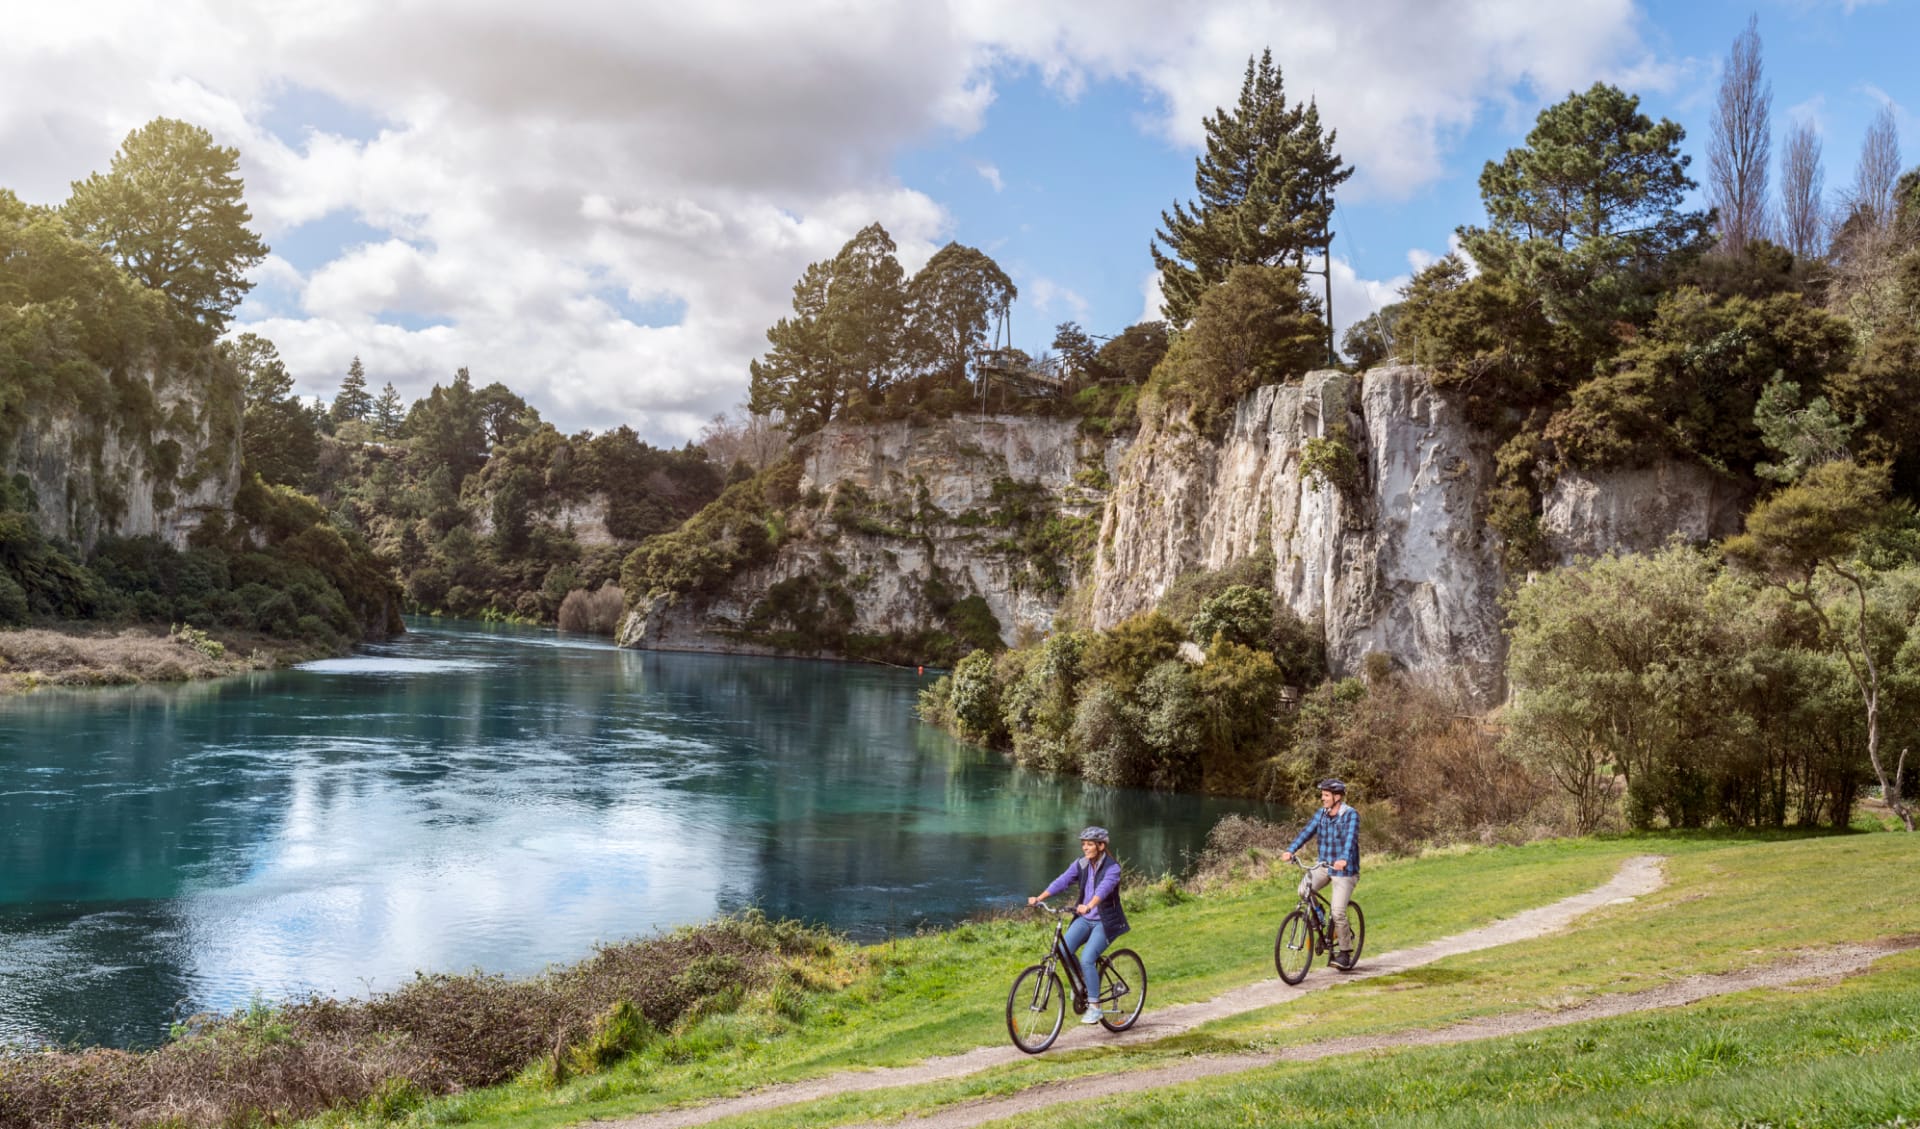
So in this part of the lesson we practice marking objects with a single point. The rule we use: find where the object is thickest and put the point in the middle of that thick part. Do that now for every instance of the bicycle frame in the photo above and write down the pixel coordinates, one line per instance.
(1059, 953)
(1318, 910)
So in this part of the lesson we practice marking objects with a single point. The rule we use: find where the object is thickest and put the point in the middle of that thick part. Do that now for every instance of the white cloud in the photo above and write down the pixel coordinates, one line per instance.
(1398, 78)
(1050, 298)
(991, 174)
(1153, 303)
(539, 172)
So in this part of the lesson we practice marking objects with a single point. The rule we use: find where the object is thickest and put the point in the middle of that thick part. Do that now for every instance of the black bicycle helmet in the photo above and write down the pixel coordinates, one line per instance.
(1330, 784)
(1093, 835)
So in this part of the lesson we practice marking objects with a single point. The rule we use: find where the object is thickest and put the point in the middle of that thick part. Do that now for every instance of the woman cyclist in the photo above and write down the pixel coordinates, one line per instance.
(1100, 918)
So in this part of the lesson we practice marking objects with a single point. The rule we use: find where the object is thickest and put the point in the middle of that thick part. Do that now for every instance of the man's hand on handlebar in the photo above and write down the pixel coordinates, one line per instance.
(1286, 856)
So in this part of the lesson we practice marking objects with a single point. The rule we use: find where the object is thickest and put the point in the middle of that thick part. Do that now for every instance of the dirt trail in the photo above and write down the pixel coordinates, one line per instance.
(1637, 876)
(1845, 960)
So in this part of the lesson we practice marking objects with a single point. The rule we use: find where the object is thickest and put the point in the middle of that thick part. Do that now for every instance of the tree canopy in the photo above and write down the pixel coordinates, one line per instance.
(169, 210)
(1265, 184)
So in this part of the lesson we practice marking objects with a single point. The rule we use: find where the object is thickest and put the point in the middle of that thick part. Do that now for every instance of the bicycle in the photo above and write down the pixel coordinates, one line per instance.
(1037, 1003)
(1309, 931)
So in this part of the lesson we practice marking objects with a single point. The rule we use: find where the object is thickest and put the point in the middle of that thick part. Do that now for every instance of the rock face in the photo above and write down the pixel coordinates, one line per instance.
(1386, 547)
(1637, 510)
(1394, 559)
(899, 520)
(90, 478)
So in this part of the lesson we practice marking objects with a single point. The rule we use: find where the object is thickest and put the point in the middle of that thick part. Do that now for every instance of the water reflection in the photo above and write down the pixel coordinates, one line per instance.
(470, 797)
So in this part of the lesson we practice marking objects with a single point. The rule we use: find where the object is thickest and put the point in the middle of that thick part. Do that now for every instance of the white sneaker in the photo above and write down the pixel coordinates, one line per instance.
(1092, 1017)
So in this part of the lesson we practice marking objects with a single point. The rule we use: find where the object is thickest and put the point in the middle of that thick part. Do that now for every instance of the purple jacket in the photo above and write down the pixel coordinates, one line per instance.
(1105, 886)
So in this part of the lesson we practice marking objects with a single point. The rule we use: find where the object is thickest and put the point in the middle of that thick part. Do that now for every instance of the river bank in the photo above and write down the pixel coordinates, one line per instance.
(746, 1005)
(86, 655)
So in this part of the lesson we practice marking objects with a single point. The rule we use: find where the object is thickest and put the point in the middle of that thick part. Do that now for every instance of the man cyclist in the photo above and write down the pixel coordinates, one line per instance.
(1337, 827)
(1100, 917)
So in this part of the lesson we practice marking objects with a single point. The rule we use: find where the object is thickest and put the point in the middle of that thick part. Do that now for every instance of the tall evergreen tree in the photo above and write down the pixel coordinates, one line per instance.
(950, 304)
(170, 211)
(844, 340)
(1266, 189)
(388, 413)
(353, 402)
(1586, 215)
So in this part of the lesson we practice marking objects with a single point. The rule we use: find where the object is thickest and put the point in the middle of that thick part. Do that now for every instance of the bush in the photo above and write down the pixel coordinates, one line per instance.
(593, 613)
(1241, 614)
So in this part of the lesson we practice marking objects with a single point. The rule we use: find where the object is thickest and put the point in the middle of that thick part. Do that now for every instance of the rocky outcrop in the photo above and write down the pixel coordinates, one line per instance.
(1396, 558)
(90, 476)
(898, 523)
(1639, 509)
(1368, 491)
(1390, 555)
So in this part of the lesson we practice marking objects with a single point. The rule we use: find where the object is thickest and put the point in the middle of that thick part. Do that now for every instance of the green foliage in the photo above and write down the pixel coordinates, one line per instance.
(189, 636)
(1374, 339)
(1692, 382)
(1587, 215)
(1259, 326)
(1805, 437)
(730, 534)
(1241, 614)
(170, 211)
(1185, 596)
(1331, 460)
(353, 401)
(1706, 697)
(950, 303)
(1820, 519)
(1265, 193)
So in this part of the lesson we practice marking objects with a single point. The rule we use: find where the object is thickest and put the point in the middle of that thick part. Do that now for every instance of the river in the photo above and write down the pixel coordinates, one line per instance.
(470, 796)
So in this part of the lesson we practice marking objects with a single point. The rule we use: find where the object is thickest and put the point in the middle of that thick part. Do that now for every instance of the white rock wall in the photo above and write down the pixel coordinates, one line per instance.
(950, 465)
(90, 481)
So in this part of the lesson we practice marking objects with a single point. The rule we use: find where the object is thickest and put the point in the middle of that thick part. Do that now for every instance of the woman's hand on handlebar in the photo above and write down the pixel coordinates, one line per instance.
(1286, 856)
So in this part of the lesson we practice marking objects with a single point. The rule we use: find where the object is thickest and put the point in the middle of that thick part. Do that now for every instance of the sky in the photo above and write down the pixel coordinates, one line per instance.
(605, 205)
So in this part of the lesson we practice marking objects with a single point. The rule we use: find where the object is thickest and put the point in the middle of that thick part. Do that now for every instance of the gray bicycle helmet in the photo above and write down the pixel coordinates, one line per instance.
(1337, 787)
(1093, 835)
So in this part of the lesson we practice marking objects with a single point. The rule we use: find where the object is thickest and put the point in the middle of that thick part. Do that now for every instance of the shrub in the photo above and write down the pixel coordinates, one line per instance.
(593, 613)
(1241, 614)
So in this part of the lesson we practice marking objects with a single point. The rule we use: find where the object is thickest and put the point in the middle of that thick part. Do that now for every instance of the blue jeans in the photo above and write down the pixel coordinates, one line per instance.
(1091, 931)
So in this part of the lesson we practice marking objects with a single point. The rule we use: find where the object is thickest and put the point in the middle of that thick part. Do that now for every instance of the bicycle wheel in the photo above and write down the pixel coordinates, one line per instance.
(1123, 989)
(1036, 1007)
(1293, 948)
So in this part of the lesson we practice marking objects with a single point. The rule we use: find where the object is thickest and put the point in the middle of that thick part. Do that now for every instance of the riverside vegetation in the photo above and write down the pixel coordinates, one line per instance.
(1592, 324)
(714, 1011)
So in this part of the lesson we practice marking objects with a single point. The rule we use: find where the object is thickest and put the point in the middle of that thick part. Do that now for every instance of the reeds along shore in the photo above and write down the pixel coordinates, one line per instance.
(434, 1035)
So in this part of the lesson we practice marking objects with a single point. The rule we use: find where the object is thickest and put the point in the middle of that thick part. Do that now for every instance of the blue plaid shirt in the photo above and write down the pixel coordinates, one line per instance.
(1339, 839)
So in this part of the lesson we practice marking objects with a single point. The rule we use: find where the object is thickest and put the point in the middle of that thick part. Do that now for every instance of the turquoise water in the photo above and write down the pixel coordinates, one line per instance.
(498, 798)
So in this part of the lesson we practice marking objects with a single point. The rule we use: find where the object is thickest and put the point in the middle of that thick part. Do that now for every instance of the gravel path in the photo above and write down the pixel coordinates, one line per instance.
(1845, 960)
(1636, 877)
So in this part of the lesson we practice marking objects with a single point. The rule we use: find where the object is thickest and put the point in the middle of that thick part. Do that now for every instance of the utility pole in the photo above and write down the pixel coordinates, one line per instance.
(1326, 262)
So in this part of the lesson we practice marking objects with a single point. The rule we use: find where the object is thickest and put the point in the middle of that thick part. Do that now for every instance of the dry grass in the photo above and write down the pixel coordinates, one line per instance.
(35, 657)
(436, 1035)
(595, 613)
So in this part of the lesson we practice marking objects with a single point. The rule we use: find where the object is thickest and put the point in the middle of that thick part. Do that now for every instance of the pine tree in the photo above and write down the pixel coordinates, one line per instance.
(353, 402)
(1266, 193)
(388, 412)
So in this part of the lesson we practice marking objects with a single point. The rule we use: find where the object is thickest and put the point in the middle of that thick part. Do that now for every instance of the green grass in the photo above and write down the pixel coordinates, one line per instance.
(1843, 1056)
(944, 993)
(1732, 902)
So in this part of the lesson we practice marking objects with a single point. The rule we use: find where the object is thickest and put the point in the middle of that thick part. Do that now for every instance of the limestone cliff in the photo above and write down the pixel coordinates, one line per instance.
(1369, 491)
(900, 523)
(1395, 557)
(159, 467)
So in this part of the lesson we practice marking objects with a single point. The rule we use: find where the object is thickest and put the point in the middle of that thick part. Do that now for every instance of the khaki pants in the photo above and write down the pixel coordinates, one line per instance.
(1317, 879)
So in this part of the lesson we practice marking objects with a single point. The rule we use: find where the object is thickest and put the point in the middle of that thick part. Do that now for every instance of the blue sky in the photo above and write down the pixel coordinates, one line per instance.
(605, 204)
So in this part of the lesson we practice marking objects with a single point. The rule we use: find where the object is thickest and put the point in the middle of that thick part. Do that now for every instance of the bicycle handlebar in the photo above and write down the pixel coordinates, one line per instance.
(1042, 904)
